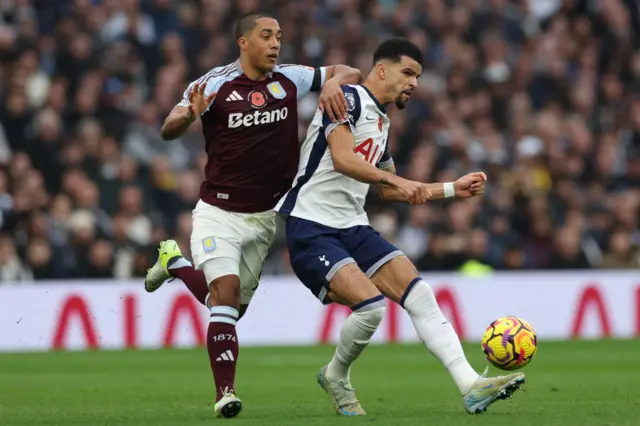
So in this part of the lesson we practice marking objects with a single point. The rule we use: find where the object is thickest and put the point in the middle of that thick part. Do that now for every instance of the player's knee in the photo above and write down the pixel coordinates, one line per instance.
(369, 316)
(222, 274)
(375, 316)
(225, 291)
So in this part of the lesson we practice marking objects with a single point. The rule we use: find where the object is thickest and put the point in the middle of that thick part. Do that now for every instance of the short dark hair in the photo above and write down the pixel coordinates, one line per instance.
(394, 49)
(247, 22)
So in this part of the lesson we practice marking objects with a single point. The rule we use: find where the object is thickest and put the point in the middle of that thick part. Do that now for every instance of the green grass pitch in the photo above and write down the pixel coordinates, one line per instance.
(570, 383)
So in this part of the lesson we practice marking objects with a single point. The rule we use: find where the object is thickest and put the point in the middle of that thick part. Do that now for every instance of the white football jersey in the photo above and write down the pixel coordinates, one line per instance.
(321, 194)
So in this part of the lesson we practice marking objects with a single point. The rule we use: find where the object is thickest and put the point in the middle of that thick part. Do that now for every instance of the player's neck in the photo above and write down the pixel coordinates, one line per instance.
(251, 72)
(376, 91)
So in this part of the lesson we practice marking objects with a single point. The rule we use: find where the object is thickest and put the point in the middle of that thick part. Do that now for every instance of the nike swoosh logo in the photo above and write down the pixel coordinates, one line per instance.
(372, 118)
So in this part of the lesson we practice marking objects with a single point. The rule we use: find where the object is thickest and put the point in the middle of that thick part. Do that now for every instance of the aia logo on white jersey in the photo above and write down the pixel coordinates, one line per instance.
(370, 150)
(240, 119)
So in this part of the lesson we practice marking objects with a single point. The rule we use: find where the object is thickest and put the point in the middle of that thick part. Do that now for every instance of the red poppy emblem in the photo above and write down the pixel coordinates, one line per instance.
(257, 99)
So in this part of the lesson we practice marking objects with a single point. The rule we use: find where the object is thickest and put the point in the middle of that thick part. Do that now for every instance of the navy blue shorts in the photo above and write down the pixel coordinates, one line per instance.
(317, 252)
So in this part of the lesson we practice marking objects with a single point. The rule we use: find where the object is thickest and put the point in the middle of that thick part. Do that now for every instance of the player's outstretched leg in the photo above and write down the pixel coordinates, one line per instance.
(351, 287)
(171, 264)
(193, 279)
(440, 338)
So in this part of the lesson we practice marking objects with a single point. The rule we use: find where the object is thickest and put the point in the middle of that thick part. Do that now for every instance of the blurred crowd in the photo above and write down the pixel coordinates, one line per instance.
(543, 95)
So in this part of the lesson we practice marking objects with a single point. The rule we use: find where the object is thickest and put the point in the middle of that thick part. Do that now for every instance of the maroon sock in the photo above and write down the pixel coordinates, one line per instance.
(193, 279)
(222, 344)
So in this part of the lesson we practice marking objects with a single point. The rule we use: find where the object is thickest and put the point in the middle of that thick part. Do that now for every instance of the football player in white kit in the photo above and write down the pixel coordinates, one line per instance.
(340, 258)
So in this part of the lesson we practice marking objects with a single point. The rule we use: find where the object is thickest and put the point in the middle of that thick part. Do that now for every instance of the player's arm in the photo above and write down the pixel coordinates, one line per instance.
(177, 122)
(391, 194)
(326, 79)
(332, 98)
(347, 162)
(342, 74)
(467, 186)
(195, 101)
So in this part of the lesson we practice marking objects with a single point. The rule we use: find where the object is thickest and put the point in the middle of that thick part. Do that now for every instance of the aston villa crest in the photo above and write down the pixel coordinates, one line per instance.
(276, 90)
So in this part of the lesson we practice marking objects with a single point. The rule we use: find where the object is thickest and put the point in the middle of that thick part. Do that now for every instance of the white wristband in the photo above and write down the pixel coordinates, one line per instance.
(449, 191)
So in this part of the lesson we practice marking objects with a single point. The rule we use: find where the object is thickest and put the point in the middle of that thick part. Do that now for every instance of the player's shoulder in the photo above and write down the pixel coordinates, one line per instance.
(354, 109)
(354, 99)
(284, 68)
(294, 72)
(364, 96)
(217, 76)
(351, 95)
(368, 102)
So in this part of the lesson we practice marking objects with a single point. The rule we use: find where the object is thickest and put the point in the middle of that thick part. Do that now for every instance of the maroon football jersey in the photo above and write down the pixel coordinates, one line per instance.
(251, 135)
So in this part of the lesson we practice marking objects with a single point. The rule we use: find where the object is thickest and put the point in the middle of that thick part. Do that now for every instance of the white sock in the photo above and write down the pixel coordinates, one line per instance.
(180, 262)
(438, 335)
(355, 335)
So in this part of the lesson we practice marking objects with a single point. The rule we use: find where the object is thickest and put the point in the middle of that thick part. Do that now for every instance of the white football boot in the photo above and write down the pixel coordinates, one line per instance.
(229, 405)
(342, 395)
(158, 274)
(487, 390)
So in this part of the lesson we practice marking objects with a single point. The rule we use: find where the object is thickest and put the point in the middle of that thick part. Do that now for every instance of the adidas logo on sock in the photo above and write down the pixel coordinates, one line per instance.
(226, 356)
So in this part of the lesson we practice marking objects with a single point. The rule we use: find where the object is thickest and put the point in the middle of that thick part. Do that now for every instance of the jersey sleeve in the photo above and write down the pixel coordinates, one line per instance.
(306, 79)
(354, 108)
(213, 84)
(386, 160)
(184, 102)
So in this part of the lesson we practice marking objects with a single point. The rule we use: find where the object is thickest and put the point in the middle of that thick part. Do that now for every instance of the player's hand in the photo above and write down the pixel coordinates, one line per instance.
(414, 192)
(198, 102)
(470, 185)
(332, 101)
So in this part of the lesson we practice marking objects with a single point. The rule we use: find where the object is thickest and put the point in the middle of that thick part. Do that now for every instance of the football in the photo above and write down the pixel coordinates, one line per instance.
(509, 343)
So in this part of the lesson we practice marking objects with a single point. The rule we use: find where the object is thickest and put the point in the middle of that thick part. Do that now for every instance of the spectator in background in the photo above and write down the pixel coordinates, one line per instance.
(621, 254)
(568, 252)
(413, 237)
(143, 142)
(542, 95)
(12, 268)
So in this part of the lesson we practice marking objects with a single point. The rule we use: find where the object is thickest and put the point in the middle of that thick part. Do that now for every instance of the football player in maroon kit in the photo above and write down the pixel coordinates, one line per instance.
(250, 124)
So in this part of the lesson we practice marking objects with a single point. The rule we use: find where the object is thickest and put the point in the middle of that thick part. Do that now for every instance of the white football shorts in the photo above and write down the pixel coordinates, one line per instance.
(240, 241)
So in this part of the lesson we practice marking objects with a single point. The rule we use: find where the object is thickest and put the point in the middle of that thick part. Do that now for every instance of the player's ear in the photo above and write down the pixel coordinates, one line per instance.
(381, 71)
(242, 43)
